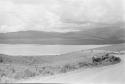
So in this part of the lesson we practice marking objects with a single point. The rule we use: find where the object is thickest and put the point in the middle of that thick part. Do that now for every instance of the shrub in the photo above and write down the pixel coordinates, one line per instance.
(24, 74)
(1, 59)
(105, 59)
(28, 73)
(82, 64)
(66, 68)
(115, 59)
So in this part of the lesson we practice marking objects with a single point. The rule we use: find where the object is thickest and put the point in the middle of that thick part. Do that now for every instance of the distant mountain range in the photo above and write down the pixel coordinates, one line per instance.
(103, 35)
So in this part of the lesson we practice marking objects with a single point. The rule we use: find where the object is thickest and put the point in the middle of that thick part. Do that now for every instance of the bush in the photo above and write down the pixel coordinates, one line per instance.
(1, 59)
(115, 59)
(24, 74)
(67, 68)
(28, 73)
(106, 59)
(82, 64)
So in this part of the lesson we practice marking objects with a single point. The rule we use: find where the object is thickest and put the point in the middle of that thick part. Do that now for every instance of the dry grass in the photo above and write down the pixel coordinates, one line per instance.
(23, 70)
(22, 67)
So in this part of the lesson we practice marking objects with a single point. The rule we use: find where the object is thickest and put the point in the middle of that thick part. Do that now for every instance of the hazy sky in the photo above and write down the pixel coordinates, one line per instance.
(58, 15)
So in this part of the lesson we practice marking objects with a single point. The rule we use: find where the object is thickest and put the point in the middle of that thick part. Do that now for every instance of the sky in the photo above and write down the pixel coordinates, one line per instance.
(58, 15)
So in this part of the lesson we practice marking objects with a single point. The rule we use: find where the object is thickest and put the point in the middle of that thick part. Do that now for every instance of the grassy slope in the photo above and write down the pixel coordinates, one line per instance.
(64, 58)
(25, 67)
(21, 67)
(55, 59)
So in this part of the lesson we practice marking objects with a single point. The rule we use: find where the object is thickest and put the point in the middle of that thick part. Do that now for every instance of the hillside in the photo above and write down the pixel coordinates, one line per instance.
(24, 67)
(99, 35)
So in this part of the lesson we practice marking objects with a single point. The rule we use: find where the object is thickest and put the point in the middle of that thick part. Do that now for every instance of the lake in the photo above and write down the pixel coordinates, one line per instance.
(37, 49)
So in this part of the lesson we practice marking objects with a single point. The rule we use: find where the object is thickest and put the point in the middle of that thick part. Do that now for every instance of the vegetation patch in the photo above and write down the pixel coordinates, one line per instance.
(9, 70)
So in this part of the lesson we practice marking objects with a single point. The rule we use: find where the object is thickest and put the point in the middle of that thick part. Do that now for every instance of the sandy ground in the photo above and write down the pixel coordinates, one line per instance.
(113, 74)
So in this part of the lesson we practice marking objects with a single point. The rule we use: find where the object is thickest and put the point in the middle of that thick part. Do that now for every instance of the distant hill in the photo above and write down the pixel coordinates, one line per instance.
(100, 35)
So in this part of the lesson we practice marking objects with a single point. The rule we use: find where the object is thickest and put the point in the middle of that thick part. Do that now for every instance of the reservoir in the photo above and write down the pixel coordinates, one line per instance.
(37, 49)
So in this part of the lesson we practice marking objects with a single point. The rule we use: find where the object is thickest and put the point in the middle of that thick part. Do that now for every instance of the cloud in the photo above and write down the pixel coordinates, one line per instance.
(57, 15)
(27, 17)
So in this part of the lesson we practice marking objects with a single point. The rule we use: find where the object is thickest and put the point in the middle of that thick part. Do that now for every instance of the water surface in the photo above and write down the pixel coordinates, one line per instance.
(36, 49)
